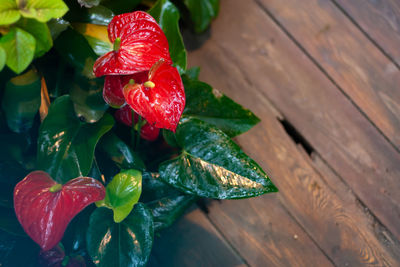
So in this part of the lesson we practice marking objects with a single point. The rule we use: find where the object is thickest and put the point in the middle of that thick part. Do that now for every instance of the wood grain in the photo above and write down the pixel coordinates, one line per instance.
(249, 58)
(192, 241)
(357, 66)
(273, 66)
(380, 20)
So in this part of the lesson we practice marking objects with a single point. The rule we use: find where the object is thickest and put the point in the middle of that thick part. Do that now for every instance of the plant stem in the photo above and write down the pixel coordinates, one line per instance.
(139, 124)
(133, 131)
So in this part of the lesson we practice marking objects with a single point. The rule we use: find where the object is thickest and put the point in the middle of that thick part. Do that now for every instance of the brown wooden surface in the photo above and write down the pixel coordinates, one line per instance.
(329, 100)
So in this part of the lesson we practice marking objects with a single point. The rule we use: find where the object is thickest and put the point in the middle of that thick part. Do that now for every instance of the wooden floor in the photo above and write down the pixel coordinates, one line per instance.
(323, 75)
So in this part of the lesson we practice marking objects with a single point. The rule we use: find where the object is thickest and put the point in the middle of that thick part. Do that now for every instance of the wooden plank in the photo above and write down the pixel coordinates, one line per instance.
(275, 67)
(357, 66)
(265, 234)
(323, 215)
(380, 20)
(192, 241)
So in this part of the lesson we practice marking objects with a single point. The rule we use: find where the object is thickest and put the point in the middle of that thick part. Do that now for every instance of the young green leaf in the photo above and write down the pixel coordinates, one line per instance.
(20, 47)
(208, 104)
(3, 58)
(65, 144)
(122, 193)
(127, 243)
(21, 101)
(212, 165)
(9, 12)
(167, 15)
(42, 10)
(202, 12)
(41, 33)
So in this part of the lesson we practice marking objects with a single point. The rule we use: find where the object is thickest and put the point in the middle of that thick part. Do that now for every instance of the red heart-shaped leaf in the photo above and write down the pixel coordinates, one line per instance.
(148, 131)
(139, 42)
(44, 208)
(161, 99)
(113, 85)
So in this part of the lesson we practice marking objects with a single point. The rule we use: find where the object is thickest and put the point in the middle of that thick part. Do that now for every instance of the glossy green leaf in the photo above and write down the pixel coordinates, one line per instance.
(41, 33)
(122, 193)
(202, 12)
(89, 3)
(127, 243)
(208, 104)
(21, 101)
(165, 202)
(87, 95)
(75, 50)
(120, 153)
(212, 165)
(65, 144)
(42, 10)
(57, 26)
(99, 15)
(20, 47)
(167, 16)
(169, 137)
(9, 12)
(3, 58)
(166, 210)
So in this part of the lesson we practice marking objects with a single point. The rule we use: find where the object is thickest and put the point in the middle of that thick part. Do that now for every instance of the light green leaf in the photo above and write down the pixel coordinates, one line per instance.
(167, 16)
(122, 193)
(42, 10)
(41, 33)
(9, 12)
(20, 47)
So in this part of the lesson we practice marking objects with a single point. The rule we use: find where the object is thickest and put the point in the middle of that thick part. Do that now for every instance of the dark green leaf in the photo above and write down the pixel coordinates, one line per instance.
(75, 50)
(20, 47)
(13, 147)
(9, 222)
(11, 247)
(87, 95)
(21, 101)
(202, 12)
(167, 16)
(9, 12)
(120, 153)
(169, 137)
(193, 73)
(127, 243)
(41, 33)
(3, 57)
(212, 165)
(66, 145)
(89, 3)
(208, 104)
(41, 10)
(120, 6)
(166, 210)
(153, 188)
(122, 193)
(57, 26)
(96, 35)
(99, 15)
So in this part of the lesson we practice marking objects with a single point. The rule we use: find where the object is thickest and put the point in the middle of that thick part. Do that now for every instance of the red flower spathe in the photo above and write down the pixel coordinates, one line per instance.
(142, 43)
(45, 215)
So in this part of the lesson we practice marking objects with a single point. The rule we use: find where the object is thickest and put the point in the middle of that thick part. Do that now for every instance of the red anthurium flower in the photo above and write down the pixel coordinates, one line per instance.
(161, 99)
(44, 208)
(138, 41)
(114, 84)
(147, 131)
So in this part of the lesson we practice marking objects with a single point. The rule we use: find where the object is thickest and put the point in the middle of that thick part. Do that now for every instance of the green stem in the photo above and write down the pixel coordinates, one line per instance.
(133, 131)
